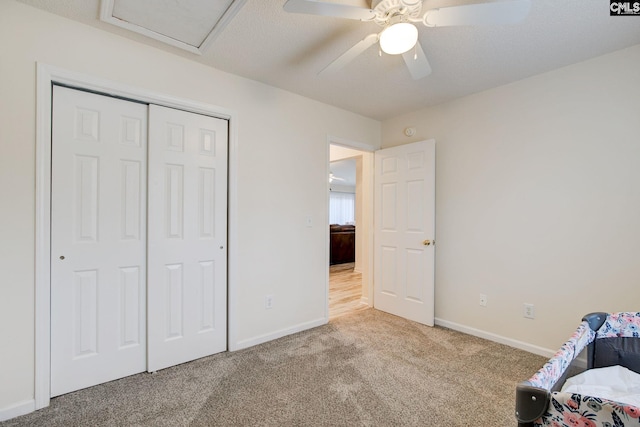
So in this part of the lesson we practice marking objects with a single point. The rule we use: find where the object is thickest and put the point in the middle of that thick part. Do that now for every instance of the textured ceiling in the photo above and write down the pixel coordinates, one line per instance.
(266, 44)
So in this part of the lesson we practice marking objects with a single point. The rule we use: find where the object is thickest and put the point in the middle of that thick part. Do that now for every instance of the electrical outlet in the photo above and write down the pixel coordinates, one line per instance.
(483, 300)
(529, 311)
(268, 302)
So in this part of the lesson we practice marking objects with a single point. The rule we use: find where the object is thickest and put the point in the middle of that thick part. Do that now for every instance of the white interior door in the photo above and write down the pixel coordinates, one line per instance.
(187, 254)
(98, 239)
(404, 231)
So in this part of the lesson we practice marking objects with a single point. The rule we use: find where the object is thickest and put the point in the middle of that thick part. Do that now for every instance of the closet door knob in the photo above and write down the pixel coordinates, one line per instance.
(426, 242)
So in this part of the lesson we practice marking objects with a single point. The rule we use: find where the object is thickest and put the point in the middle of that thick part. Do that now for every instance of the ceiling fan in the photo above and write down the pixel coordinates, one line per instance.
(332, 177)
(399, 35)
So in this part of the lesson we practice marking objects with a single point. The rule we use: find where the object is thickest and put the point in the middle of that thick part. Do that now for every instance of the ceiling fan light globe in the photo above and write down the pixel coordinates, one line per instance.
(398, 38)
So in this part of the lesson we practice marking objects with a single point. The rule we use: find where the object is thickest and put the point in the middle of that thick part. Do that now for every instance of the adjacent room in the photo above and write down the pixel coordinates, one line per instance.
(308, 212)
(346, 260)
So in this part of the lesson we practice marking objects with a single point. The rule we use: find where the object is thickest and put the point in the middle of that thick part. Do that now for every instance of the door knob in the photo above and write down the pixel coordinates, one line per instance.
(426, 242)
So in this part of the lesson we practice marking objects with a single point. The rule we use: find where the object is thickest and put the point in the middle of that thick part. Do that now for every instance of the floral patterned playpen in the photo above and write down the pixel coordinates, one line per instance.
(610, 339)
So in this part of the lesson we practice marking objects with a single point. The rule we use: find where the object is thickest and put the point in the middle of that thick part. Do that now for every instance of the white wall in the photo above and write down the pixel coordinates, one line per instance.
(359, 214)
(338, 152)
(538, 199)
(279, 135)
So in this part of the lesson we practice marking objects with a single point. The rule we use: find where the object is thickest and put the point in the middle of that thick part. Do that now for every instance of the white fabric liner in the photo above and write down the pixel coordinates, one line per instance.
(615, 383)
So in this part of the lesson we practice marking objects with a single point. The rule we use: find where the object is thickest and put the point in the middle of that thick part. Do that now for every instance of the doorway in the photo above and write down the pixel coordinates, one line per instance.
(404, 285)
(349, 230)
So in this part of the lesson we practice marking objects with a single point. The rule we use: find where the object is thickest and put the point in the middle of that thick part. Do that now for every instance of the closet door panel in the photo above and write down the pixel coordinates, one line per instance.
(187, 250)
(98, 239)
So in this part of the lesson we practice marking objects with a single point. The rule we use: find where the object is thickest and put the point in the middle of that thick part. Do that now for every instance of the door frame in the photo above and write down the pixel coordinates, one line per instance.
(368, 213)
(48, 75)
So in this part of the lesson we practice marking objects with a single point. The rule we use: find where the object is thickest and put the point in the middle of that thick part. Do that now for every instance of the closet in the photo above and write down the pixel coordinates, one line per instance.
(138, 238)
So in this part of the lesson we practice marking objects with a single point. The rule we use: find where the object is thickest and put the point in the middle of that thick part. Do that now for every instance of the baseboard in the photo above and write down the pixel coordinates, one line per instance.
(364, 300)
(579, 362)
(496, 338)
(277, 334)
(21, 408)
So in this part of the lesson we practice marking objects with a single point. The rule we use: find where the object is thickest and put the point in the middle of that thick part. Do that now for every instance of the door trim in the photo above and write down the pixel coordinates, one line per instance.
(47, 75)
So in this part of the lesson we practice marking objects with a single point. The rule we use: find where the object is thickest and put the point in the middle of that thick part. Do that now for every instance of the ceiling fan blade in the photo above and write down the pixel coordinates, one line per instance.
(417, 62)
(349, 55)
(493, 13)
(337, 10)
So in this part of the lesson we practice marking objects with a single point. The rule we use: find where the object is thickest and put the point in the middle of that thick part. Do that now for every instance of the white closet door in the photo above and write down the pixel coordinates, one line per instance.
(187, 253)
(98, 239)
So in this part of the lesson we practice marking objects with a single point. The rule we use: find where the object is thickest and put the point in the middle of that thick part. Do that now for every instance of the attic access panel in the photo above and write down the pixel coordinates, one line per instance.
(188, 24)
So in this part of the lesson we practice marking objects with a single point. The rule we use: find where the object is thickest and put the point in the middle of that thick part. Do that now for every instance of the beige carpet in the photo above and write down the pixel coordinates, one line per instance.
(364, 369)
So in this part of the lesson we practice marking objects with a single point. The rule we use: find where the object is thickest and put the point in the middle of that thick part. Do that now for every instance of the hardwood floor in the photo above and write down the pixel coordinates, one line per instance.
(345, 290)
